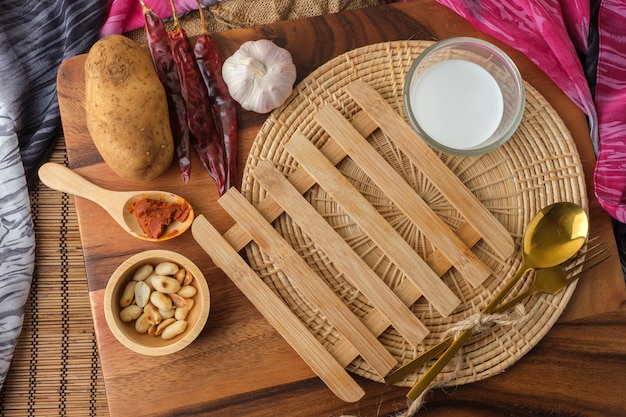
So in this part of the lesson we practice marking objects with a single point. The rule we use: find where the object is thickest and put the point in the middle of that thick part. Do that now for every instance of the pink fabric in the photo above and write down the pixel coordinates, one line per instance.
(610, 174)
(549, 32)
(126, 15)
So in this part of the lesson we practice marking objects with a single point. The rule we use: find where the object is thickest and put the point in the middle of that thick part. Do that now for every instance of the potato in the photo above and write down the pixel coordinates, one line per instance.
(126, 109)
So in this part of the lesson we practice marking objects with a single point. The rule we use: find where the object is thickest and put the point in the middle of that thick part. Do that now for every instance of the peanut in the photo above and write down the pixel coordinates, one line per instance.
(163, 325)
(187, 291)
(130, 313)
(174, 329)
(148, 281)
(180, 276)
(161, 301)
(188, 278)
(158, 299)
(181, 312)
(177, 300)
(165, 284)
(128, 295)
(142, 293)
(166, 268)
(166, 314)
(143, 272)
(142, 324)
(153, 313)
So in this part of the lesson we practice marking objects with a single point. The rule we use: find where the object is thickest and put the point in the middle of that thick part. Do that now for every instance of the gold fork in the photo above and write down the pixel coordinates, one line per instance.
(553, 280)
(548, 281)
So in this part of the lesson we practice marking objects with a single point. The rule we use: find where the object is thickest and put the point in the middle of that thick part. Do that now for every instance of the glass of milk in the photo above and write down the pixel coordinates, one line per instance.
(464, 96)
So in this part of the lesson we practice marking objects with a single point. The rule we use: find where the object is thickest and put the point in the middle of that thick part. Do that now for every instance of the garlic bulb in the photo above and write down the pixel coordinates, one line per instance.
(259, 75)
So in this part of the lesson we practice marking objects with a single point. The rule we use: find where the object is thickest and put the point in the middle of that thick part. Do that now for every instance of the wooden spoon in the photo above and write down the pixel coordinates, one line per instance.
(118, 204)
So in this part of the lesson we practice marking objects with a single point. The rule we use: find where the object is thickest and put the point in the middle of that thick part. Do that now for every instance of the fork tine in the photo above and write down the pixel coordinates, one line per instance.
(586, 265)
(588, 247)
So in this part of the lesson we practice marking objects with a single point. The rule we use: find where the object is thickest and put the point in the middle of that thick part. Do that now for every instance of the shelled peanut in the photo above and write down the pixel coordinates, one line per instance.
(158, 299)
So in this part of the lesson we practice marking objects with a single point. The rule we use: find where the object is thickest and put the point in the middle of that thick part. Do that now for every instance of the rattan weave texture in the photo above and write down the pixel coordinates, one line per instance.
(538, 166)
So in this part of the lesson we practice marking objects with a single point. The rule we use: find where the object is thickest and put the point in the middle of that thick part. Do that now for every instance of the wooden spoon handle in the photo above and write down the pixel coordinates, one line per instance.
(60, 178)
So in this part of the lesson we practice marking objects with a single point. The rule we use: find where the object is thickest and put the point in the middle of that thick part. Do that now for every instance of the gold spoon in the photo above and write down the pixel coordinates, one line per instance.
(553, 236)
(118, 204)
(546, 280)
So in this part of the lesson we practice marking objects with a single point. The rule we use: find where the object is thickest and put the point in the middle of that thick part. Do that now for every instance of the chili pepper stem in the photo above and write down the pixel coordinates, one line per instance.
(175, 16)
(203, 29)
(145, 9)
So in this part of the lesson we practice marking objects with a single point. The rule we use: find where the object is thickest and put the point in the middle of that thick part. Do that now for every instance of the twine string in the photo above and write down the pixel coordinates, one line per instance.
(479, 322)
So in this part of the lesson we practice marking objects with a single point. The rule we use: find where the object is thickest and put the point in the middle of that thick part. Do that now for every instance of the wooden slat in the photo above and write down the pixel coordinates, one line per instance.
(343, 257)
(373, 224)
(300, 179)
(276, 312)
(403, 195)
(420, 154)
(409, 293)
(307, 281)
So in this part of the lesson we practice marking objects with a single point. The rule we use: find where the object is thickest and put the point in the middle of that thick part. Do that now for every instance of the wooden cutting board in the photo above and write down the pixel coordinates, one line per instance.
(240, 364)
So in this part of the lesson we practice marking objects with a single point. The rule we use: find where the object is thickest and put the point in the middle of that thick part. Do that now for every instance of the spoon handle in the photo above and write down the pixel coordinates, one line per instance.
(443, 360)
(418, 361)
(60, 178)
(440, 347)
(460, 340)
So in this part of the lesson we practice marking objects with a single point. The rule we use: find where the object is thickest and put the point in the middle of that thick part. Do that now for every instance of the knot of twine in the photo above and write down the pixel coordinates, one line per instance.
(479, 322)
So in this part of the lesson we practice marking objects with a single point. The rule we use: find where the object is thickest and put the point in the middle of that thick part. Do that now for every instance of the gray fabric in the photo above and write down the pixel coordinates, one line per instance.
(17, 244)
(35, 37)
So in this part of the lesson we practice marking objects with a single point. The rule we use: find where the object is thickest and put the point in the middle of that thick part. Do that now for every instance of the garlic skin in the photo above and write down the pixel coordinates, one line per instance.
(259, 75)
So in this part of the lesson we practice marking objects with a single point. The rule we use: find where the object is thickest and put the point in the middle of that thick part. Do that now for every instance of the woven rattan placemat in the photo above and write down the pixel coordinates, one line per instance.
(538, 166)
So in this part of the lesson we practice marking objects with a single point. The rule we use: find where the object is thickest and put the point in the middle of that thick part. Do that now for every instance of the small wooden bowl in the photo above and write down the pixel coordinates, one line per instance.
(125, 331)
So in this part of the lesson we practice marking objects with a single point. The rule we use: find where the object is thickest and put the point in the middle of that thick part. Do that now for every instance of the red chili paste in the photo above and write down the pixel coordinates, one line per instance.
(154, 216)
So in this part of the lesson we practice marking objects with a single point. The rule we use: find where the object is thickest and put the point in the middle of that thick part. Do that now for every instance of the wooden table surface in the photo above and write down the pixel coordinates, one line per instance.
(240, 366)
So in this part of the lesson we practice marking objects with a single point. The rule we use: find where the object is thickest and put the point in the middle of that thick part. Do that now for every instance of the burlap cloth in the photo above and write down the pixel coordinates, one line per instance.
(56, 369)
(232, 14)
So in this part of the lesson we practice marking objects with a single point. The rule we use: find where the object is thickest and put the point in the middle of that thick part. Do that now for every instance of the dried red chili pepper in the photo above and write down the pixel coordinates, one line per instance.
(161, 51)
(224, 107)
(204, 135)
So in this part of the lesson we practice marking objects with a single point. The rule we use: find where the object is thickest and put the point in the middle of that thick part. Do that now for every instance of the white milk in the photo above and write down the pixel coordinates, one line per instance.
(457, 103)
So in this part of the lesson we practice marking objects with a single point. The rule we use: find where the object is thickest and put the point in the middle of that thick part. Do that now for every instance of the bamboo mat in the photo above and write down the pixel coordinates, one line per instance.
(56, 368)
